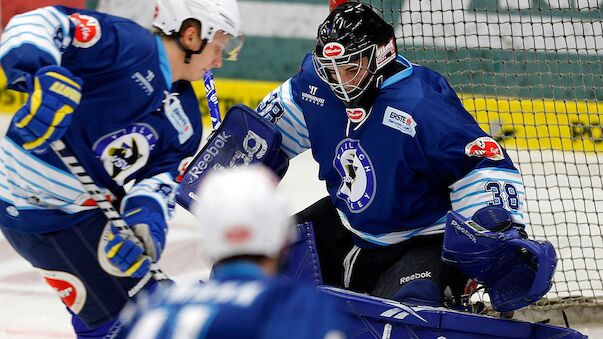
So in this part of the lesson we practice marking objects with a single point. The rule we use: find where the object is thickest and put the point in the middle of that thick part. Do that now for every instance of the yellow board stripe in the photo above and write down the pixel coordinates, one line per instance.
(64, 79)
(540, 124)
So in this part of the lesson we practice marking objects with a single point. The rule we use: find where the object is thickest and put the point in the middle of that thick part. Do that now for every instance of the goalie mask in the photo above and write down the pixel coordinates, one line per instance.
(355, 51)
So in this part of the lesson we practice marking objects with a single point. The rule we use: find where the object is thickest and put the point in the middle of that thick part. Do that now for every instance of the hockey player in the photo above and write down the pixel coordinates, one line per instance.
(245, 227)
(120, 97)
(397, 151)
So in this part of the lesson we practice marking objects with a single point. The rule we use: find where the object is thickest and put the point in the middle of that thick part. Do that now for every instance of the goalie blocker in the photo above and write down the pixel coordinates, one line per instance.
(243, 138)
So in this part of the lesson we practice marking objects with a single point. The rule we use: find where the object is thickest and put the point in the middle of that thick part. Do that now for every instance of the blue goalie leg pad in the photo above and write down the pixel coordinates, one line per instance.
(420, 292)
(301, 261)
(84, 332)
(374, 317)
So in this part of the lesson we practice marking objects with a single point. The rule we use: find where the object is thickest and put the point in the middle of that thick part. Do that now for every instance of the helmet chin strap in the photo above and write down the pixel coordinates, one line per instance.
(189, 52)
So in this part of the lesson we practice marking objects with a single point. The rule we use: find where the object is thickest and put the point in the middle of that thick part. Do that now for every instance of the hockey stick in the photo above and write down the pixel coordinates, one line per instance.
(76, 168)
(212, 99)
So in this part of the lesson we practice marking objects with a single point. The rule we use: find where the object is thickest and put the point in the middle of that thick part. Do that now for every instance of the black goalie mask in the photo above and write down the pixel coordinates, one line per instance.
(354, 52)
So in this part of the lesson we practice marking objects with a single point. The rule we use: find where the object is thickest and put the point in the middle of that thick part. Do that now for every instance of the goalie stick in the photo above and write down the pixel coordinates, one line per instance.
(76, 168)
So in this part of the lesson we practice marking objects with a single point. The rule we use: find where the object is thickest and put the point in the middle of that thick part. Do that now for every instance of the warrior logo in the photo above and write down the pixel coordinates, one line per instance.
(358, 182)
(126, 151)
(484, 147)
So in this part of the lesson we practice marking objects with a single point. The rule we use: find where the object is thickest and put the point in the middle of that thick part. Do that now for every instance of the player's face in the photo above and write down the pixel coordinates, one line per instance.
(351, 74)
(210, 58)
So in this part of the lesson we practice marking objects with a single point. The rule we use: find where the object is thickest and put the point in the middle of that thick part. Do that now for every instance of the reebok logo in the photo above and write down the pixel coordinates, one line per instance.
(422, 275)
(464, 231)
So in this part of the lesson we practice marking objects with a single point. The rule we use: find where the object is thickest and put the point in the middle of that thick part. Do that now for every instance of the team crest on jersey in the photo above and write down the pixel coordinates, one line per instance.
(358, 181)
(70, 288)
(126, 151)
(484, 147)
(87, 30)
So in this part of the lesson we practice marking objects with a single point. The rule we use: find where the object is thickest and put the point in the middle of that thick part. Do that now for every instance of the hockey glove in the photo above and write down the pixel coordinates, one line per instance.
(515, 271)
(46, 114)
(133, 254)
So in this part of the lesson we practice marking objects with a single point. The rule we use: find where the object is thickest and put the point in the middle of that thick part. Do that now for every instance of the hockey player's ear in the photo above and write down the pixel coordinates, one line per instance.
(190, 38)
(190, 34)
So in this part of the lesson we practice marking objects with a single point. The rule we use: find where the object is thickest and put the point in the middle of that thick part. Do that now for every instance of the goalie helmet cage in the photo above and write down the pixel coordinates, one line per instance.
(530, 72)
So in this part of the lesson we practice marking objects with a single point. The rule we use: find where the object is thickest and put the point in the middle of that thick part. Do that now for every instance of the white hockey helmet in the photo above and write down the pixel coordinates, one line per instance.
(214, 16)
(242, 213)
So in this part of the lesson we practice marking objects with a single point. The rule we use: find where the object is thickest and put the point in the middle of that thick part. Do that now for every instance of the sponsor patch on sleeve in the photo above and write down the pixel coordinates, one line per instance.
(400, 121)
(176, 115)
(484, 147)
(87, 30)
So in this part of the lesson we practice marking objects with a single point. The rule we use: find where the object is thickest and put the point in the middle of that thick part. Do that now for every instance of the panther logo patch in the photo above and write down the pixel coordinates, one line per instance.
(358, 182)
(126, 151)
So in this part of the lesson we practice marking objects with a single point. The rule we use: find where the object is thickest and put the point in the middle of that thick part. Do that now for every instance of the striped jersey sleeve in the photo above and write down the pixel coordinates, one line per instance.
(280, 108)
(32, 40)
(31, 184)
(493, 186)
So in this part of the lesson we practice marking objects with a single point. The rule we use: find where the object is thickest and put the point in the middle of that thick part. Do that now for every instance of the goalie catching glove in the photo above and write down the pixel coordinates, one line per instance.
(46, 115)
(515, 271)
(134, 253)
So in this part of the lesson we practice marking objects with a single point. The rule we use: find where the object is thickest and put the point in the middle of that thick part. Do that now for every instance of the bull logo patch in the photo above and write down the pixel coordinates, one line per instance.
(358, 182)
(484, 147)
(126, 151)
(87, 30)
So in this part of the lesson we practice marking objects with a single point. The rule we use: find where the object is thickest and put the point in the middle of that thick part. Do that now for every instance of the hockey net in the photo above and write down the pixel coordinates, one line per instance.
(530, 72)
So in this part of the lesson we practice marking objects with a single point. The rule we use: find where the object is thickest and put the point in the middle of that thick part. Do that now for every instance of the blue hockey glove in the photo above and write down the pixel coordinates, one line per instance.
(46, 114)
(515, 271)
(133, 255)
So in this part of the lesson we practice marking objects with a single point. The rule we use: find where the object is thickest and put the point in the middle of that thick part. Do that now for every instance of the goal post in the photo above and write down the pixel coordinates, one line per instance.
(531, 73)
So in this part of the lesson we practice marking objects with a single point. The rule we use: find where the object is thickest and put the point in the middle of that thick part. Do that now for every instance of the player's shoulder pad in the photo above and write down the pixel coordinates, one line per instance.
(243, 138)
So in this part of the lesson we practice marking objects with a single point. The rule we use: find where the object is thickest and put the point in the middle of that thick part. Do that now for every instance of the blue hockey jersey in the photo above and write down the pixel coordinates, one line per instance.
(238, 302)
(393, 172)
(132, 122)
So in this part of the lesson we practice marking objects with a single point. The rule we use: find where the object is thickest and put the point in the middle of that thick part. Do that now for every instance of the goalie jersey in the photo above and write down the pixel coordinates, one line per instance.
(132, 122)
(393, 172)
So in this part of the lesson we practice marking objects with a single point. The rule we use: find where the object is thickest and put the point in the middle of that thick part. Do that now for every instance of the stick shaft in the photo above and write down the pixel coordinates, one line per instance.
(76, 168)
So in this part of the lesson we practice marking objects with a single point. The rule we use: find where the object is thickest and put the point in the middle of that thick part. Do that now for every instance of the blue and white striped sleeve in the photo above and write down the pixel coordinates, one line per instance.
(279, 107)
(32, 40)
(489, 186)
